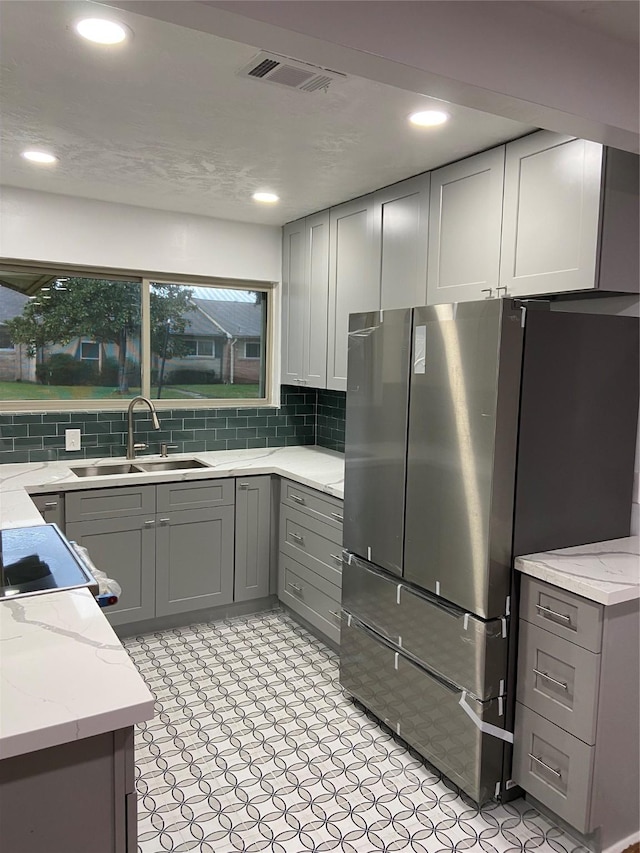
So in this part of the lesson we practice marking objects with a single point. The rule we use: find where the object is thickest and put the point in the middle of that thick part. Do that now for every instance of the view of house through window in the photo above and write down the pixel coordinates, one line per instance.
(79, 338)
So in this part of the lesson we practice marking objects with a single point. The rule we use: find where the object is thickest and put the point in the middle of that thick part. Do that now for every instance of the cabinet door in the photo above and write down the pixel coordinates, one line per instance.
(51, 508)
(123, 548)
(465, 220)
(551, 214)
(353, 280)
(253, 535)
(293, 296)
(194, 564)
(316, 300)
(401, 213)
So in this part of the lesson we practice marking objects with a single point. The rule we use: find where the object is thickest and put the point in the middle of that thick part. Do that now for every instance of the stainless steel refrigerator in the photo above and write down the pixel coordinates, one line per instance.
(475, 432)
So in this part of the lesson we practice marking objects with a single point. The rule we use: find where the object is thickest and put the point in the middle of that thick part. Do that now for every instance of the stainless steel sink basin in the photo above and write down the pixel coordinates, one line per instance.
(106, 470)
(171, 465)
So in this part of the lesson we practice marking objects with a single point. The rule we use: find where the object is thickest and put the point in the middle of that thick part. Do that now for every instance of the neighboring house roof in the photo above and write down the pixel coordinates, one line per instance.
(11, 304)
(214, 317)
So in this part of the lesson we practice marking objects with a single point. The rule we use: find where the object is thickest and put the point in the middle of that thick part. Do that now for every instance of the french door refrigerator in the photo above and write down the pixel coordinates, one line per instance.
(475, 432)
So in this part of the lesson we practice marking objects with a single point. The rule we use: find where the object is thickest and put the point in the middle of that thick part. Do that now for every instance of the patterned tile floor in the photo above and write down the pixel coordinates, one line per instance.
(254, 747)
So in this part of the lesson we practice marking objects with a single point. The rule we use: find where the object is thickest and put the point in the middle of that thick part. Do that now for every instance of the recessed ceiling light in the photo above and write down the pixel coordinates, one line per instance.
(428, 118)
(266, 198)
(39, 157)
(101, 31)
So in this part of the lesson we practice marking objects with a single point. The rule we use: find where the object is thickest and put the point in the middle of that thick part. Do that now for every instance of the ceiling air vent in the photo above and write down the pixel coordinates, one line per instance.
(290, 73)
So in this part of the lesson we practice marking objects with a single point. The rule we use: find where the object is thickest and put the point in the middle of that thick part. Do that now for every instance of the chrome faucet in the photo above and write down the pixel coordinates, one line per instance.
(131, 447)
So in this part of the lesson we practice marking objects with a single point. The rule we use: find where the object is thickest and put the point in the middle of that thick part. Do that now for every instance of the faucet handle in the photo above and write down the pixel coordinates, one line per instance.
(140, 445)
(165, 448)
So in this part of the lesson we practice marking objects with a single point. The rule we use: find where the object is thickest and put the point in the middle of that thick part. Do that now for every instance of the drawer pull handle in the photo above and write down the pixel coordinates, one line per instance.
(244, 485)
(337, 516)
(165, 520)
(296, 589)
(297, 538)
(337, 558)
(149, 523)
(550, 678)
(51, 503)
(545, 765)
(551, 612)
(297, 499)
(335, 615)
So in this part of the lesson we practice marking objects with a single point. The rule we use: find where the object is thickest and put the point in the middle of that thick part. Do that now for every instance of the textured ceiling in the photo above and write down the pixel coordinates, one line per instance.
(165, 122)
(617, 18)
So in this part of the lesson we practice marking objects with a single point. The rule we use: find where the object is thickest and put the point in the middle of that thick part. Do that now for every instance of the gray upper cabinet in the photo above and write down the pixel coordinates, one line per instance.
(353, 280)
(293, 298)
(305, 293)
(570, 217)
(465, 221)
(400, 215)
(253, 538)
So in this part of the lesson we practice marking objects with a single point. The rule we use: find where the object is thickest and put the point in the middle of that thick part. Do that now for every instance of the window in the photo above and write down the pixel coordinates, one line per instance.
(91, 343)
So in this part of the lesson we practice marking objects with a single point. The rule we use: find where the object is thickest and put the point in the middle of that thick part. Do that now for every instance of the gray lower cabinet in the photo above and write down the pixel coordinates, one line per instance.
(252, 538)
(51, 508)
(577, 729)
(71, 798)
(124, 549)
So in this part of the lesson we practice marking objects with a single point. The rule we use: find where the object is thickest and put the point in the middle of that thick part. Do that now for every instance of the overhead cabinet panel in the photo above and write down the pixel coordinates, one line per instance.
(315, 301)
(353, 284)
(293, 299)
(465, 221)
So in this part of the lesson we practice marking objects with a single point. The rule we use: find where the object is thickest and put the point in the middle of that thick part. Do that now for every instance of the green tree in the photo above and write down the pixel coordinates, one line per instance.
(106, 311)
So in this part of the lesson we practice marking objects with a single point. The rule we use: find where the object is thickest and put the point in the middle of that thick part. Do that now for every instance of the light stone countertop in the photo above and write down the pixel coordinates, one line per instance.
(310, 466)
(64, 674)
(605, 572)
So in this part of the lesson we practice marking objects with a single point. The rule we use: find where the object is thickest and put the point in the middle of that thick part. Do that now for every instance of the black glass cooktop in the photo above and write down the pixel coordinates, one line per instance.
(39, 559)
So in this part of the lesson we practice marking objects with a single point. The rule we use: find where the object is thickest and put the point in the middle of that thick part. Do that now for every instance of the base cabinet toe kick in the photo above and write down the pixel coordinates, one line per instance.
(577, 722)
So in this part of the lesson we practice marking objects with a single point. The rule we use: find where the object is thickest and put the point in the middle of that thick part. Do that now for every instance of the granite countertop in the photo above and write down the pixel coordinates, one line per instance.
(310, 466)
(605, 572)
(64, 675)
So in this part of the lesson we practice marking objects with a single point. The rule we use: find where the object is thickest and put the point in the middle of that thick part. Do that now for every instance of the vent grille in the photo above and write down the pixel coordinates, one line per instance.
(290, 73)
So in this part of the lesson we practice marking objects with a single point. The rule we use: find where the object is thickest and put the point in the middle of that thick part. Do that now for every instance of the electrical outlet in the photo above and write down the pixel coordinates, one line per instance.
(72, 438)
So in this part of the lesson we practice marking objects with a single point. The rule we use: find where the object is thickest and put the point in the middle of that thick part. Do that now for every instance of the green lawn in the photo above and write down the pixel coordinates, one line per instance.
(33, 391)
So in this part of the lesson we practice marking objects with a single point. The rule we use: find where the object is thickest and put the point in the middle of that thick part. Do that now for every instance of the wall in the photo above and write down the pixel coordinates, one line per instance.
(330, 419)
(47, 227)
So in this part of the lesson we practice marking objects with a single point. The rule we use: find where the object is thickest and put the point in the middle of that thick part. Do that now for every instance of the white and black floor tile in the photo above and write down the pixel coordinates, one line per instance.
(255, 747)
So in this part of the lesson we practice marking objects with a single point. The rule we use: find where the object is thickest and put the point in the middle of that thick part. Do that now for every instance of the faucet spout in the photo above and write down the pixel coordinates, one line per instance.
(131, 448)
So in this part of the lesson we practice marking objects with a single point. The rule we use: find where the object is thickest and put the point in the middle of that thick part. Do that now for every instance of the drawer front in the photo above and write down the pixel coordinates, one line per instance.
(559, 680)
(466, 651)
(316, 504)
(553, 766)
(192, 495)
(423, 710)
(110, 503)
(311, 596)
(312, 543)
(567, 615)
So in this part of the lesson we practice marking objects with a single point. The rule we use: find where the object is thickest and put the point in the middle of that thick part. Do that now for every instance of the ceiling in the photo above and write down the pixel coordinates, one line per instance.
(619, 19)
(165, 122)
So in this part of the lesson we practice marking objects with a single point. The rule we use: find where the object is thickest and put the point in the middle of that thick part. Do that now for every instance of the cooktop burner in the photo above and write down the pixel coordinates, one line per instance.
(39, 559)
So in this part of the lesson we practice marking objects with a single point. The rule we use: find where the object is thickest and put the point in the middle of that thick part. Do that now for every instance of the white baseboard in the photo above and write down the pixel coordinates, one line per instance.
(619, 846)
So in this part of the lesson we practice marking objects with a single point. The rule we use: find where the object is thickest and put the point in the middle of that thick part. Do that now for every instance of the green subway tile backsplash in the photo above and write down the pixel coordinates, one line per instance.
(308, 417)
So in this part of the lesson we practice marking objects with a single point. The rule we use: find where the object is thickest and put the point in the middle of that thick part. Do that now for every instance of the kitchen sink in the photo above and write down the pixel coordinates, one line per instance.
(171, 465)
(105, 470)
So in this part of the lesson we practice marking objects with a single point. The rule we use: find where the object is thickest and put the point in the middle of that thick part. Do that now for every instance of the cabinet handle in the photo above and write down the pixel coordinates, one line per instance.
(149, 523)
(337, 558)
(550, 678)
(51, 503)
(335, 615)
(296, 589)
(337, 516)
(502, 287)
(165, 520)
(244, 485)
(488, 290)
(557, 615)
(545, 765)
(297, 537)
(297, 498)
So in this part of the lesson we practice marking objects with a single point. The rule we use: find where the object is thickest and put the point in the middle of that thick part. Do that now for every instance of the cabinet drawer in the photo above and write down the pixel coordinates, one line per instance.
(311, 596)
(191, 495)
(559, 680)
(307, 541)
(563, 613)
(553, 766)
(110, 503)
(316, 504)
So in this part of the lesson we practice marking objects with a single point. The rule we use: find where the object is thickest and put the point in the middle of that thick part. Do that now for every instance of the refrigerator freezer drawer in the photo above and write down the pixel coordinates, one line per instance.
(423, 710)
(460, 647)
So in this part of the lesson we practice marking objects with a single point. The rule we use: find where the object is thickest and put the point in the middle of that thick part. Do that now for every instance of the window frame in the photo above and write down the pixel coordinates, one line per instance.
(271, 398)
(11, 348)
